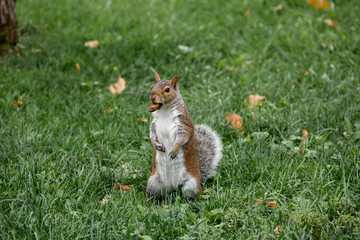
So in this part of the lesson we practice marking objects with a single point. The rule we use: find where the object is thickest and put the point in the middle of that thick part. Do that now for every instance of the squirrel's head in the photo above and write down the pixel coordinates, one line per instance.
(163, 92)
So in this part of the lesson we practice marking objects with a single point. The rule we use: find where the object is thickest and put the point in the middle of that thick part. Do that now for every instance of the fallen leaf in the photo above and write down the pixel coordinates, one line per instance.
(20, 102)
(77, 65)
(118, 186)
(126, 188)
(105, 200)
(331, 23)
(320, 4)
(230, 69)
(305, 134)
(303, 143)
(278, 229)
(235, 120)
(300, 80)
(305, 74)
(142, 120)
(271, 204)
(118, 87)
(246, 13)
(254, 100)
(165, 206)
(277, 8)
(92, 44)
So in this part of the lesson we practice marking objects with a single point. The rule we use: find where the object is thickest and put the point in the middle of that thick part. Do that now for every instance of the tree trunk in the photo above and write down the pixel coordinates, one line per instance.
(8, 22)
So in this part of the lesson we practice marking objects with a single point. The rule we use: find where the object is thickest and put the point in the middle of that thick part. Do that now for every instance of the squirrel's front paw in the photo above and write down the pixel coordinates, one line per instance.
(172, 155)
(160, 147)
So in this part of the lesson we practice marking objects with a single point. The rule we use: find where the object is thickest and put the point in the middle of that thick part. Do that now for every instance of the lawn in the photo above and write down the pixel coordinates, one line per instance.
(68, 140)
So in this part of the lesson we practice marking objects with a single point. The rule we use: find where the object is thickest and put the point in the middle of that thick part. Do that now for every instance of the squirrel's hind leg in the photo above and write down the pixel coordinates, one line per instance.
(191, 189)
(154, 187)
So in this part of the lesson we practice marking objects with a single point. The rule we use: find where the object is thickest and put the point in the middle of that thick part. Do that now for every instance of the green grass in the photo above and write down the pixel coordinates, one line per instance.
(62, 150)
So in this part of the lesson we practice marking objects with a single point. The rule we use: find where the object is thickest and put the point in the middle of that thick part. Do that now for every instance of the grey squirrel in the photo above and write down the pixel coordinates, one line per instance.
(183, 154)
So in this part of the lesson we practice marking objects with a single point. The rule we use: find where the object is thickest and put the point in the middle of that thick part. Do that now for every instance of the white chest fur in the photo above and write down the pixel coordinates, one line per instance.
(172, 172)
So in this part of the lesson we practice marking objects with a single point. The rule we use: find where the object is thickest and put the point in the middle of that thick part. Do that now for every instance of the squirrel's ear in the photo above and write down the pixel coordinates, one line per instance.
(157, 77)
(174, 82)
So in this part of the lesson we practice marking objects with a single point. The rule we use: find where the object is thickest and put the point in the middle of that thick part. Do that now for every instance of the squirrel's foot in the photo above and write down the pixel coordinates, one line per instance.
(160, 147)
(172, 155)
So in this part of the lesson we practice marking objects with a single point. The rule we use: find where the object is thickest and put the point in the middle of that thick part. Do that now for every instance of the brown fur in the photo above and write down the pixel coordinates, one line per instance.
(154, 163)
(191, 161)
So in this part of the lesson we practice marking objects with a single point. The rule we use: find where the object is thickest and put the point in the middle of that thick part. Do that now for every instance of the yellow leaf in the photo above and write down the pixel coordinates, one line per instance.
(77, 65)
(246, 14)
(142, 120)
(20, 102)
(305, 134)
(277, 8)
(118, 87)
(254, 100)
(271, 204)
(331, 23)
(235, 120)
(320, 4)
(92, 44)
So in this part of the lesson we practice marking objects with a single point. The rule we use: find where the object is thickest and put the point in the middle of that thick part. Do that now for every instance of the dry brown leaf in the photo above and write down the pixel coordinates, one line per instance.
(118, 87)
(142, 120)
(278, 229)
(303, 143)
(77, 65)
(104, 200)
(305, 134)
(277, 8)
(118, 186)
(320, 4)
(254, 100)
(305, 74)
(235, 120)
(331, 23)
(20, 102)
(92, 44)
(271, 204)
(246, 13)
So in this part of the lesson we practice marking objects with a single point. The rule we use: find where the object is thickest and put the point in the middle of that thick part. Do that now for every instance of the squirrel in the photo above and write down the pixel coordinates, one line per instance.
(183, 154)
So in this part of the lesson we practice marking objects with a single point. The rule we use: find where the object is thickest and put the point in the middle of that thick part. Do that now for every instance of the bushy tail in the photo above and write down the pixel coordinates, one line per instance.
(209, 150)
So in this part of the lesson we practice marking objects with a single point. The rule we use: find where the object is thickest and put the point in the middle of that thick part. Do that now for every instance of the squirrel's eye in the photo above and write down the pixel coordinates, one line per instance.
(167, 89)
